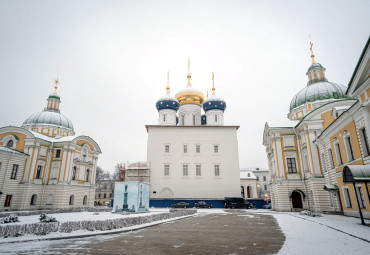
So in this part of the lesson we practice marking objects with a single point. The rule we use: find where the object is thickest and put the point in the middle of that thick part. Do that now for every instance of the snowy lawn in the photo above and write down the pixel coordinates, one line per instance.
(329, 234)
(80, 216)
(88, 216)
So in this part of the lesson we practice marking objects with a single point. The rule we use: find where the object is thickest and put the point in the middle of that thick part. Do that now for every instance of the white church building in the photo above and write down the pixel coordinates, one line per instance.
(193, 156)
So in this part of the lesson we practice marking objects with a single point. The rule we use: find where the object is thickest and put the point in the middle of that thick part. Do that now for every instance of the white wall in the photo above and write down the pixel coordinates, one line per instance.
(207, 186)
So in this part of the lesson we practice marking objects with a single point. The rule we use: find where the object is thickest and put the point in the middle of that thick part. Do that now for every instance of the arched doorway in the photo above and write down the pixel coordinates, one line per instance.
(296, 199)
(242, 191)
(249, 192)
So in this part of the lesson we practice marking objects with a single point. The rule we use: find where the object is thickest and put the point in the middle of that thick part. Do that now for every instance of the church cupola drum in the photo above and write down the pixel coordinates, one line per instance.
(191, 101)
(214, 108)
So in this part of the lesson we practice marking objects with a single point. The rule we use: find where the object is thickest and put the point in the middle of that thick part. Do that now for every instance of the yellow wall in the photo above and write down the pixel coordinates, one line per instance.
(81, 142)
(351, 128)
(20, 143)
(362, 97)
(328, 119)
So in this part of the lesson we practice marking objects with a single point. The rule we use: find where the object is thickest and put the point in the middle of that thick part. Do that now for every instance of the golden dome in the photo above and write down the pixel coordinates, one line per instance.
(190, 95)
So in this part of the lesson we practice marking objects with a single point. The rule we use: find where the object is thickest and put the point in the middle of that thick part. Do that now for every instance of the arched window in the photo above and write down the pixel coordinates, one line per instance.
(49, 199)
(249, 192)
(85, 200)
(10, 144)
(33, 199)
(242, 191)
(74, 173)
(87, 175)
(71, 199)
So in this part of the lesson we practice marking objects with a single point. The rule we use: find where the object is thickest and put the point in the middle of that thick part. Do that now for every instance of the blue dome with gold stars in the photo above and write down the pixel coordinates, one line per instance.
(214, 103)
(167, 102)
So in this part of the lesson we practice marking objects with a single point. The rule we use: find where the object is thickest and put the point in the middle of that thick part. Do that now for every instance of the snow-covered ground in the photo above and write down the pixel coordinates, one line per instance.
(329, 234)
(79, 216)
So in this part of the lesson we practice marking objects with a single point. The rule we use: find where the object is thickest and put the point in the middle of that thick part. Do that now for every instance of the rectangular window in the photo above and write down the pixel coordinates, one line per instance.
(8, 200)
(14, 172)
(0, 165)
(258, 178)
(57, 153)
(216, 118)
(217, 170)
(193, 120)
(166, 148)
(339, 154)
(364, 142)
(349, 148)
(164, 117)
(347, 197)
(265, 186)
(197, 148)
(198, 170)
(185, 148)
(361, 197)
(38, 172)
(185, 170)
(215, 148)
(166, 170)
(331, 159)
(264, 178)
(292, 167)
(323, 162)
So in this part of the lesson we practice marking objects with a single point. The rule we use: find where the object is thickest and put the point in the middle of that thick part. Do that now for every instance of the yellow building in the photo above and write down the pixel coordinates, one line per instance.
(294, 160)
(44, 164)
(345, 142)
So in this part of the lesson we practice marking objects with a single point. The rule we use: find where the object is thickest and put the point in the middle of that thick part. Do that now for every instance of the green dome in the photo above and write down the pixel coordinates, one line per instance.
(48, 118)
(318, 91)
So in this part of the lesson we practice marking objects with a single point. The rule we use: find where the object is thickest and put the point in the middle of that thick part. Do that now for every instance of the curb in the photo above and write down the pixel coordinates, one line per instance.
(104, 233)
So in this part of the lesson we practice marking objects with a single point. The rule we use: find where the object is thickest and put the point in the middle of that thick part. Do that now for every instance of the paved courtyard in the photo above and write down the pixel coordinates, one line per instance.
(221, 232)
(233, 233)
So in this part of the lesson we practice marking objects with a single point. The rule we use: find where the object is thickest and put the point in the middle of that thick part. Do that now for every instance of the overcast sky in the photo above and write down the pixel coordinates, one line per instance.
(112, 59)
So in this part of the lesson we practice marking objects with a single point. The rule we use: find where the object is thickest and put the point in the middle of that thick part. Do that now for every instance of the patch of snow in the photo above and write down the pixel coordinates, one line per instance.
(302, 236)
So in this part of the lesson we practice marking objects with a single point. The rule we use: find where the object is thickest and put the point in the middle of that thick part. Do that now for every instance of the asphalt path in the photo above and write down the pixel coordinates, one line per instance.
(233, 232)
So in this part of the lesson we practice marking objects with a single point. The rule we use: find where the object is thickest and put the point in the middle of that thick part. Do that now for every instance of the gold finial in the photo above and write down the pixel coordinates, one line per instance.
(168, 82)
(213, 81)
(56, 81)
(189, 76)
(312, 55)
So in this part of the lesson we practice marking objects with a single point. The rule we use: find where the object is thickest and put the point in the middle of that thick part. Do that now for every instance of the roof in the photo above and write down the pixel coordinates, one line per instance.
(49, 117)
(318, 91)
(244, 175)
(356, 173)
(64, 139)
(53, 139)
(10, 150)
(358, 64)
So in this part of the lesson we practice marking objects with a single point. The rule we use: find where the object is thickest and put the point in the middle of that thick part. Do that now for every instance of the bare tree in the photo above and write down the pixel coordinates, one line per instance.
(99, 173)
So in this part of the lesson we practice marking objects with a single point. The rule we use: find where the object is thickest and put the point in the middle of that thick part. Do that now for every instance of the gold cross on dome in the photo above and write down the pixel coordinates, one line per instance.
(56, 81)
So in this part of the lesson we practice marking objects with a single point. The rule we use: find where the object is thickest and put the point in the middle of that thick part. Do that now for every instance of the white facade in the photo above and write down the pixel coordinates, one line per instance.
(44, 165)
(199, 162)
(248, 184)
